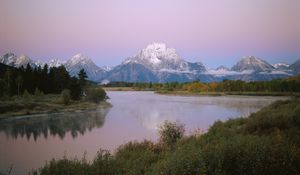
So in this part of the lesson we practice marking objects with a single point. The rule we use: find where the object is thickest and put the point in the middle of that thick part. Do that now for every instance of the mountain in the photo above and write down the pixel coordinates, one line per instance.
(131, 72)
(107, 68)
(55, 63)
(222, 68)
(295, 67)
(159, 63)
(157, 57)
(11, 59)
(164, 63)
(281, 66)
(80, 61)
(252, 63)
(8, 59)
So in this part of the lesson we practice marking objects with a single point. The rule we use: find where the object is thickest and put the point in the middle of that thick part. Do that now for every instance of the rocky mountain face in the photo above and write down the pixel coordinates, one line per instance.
(158, 63)
(11, 59)
(295, 67)
(281, 66)
(80, 61)
(252, 63)
(73, 65)
(164, 63)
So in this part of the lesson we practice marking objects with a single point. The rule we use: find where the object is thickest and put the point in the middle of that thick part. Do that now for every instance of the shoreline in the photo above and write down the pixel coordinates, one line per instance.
(186, 93)
(44, 108)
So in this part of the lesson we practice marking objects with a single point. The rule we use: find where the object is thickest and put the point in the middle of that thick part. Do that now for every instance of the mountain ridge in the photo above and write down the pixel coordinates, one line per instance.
(159, 63)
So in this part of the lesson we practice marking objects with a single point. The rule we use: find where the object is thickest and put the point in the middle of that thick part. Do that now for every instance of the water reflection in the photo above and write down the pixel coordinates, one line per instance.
(36, 126)
(151, 110)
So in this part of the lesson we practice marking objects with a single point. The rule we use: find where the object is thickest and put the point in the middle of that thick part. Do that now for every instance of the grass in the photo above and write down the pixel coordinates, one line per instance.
(50, 103)
(267, 142)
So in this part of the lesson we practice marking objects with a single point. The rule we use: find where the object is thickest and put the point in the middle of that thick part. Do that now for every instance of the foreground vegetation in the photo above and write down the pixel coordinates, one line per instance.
(267, 142)
(279, 87)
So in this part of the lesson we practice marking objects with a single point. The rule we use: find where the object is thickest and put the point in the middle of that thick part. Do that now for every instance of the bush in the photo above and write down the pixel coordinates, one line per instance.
(96, 95)
(64, 166)
(136, 157)
(66, 96)
(26, 95)
(37, 92)
(171, 132)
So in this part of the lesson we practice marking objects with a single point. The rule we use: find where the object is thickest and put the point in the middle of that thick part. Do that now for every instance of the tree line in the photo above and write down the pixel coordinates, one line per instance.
(16, 81)
(291, 84)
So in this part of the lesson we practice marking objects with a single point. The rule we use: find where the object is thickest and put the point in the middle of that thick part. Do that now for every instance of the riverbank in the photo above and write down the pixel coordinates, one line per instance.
(188, 93)
(45, 104)
(266, 142)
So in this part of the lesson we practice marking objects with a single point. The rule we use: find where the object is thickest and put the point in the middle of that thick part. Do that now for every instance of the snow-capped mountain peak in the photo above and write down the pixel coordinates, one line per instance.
(252, 63)
(8, 59)
(79, 59)
(55, 63)
(222, 68)
(281, 66)
(107, 68)
(158, 57)
(23, 60)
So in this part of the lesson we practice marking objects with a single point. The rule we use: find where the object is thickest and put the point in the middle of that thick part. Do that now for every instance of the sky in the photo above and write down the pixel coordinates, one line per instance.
(215, 32)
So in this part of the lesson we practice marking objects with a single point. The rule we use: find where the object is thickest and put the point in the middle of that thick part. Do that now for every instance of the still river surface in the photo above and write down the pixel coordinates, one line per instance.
(28, 142)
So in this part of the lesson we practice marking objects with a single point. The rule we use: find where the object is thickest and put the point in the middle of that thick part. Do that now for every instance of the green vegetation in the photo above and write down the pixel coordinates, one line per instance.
(45, 91)
(96, 95)
(267, 142)
(289, 86)
(15, 81)
(66, 96)
(48, 103)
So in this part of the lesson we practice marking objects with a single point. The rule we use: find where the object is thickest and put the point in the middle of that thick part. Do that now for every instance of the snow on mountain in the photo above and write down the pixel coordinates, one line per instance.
(55, 62)
(78, 62)
(158, 57)
(23, 60)
(107, 68)
(165, 64)
(11, 59)
(281, 66)
(223, 68)
(158, 63)
(252, 63)
(8, 59)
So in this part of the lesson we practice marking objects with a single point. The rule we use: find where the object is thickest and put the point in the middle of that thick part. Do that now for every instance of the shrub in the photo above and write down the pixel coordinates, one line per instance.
(136, 158)
(171, 132)
(26, 95)
(104, 164)
(66, 96)
(64, 166)
(96, 95)
(37, 92)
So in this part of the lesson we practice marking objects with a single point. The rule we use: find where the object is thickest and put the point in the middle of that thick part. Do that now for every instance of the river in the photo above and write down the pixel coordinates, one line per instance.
(29, 141)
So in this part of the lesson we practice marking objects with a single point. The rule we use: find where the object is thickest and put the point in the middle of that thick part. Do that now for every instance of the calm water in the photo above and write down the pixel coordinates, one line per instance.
(27, 142)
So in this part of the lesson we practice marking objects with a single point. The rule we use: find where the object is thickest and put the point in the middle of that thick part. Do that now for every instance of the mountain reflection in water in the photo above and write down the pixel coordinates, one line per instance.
(53, 124)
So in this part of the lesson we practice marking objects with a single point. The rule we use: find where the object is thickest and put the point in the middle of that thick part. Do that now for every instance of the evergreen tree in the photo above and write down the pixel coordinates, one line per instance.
(82, 78)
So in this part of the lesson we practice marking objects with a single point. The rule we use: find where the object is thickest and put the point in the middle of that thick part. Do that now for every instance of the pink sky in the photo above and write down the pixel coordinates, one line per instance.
(108, 31)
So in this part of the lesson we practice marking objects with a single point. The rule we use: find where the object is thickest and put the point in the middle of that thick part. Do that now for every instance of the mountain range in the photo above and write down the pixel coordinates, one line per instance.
(158, 63)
